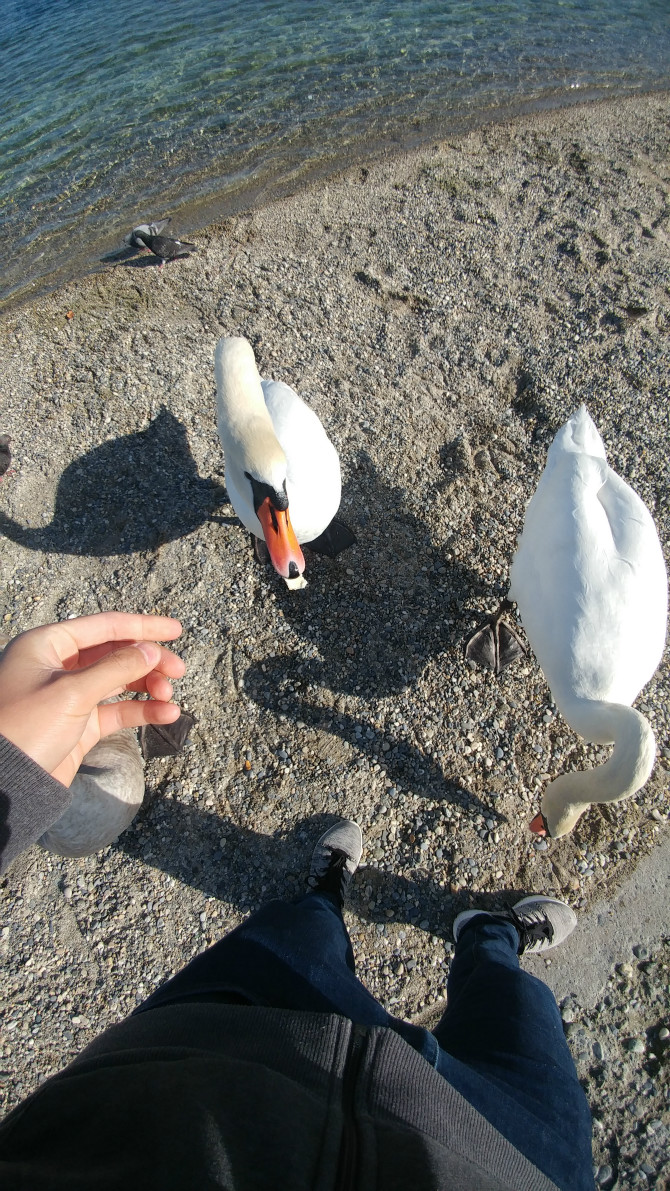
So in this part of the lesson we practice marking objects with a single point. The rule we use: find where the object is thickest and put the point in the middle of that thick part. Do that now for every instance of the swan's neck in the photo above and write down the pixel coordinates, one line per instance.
(625, 772)
(244, 424)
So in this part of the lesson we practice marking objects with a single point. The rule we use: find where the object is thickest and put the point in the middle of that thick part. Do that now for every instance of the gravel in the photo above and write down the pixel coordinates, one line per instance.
(443, 312)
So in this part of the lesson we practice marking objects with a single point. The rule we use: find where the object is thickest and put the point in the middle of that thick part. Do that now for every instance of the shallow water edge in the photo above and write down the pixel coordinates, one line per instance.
(85, 251)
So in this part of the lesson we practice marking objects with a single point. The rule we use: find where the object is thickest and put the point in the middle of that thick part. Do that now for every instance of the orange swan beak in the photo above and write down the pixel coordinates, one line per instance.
(287, 557)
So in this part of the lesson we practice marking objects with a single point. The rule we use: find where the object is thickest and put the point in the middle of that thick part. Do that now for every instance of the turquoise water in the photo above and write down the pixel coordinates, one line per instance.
(115, 112)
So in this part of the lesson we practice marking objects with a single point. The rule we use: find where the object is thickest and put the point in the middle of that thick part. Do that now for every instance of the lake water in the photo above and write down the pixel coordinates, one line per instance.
(113, 113)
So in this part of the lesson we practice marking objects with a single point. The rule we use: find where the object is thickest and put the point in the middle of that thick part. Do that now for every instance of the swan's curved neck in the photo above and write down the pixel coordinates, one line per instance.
(245, 426)
(625, 772)
(239, 393)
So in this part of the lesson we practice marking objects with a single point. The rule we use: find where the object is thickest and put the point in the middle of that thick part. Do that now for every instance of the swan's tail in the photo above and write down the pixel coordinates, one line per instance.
(578, 436)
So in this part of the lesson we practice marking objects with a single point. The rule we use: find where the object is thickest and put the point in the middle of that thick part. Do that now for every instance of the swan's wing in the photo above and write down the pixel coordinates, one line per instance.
(335, 538)
(637, 604)
(313, 468)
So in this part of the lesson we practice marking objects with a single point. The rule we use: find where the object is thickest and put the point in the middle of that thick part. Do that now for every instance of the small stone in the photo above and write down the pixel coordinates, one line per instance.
(635, 1046)
(641, 952)
(568, 1014)
(603, 1175)
(664, 1033)
(540, 844)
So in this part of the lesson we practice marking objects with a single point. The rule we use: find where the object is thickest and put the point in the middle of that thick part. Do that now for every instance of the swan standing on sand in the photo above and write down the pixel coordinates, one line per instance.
(590, 583)
(282, 472)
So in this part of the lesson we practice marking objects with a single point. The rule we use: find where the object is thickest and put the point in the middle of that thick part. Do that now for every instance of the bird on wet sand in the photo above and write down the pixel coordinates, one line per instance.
(282, 472)
(132, 240)
(164, 247)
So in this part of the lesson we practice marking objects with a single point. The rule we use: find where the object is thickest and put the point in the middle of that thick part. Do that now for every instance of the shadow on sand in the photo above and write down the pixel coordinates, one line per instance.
(252, 868)
(128, 495)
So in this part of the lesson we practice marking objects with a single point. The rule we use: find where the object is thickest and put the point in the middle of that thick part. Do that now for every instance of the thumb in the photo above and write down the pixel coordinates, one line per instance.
(114, 672)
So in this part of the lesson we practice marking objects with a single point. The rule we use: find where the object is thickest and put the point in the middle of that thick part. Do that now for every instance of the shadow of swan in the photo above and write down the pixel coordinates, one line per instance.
(129, 494)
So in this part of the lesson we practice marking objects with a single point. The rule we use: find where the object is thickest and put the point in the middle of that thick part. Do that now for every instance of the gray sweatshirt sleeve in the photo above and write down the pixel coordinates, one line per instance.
(30, 801)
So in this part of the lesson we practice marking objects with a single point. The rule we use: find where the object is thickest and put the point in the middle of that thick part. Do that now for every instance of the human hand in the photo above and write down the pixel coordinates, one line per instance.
(53, 678)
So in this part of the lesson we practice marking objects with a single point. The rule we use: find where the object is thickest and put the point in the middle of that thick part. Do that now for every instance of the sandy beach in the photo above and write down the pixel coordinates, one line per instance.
(444, 312)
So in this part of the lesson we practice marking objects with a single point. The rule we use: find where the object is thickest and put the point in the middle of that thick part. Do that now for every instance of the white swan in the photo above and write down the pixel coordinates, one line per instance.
(107, 793)
(591, 587)
(277, 458)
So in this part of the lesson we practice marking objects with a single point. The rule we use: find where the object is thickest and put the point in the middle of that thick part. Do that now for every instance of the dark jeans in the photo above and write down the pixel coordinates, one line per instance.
(499, 1042)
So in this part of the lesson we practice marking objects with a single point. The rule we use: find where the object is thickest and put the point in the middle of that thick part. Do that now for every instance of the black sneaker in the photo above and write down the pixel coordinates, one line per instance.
(542, 922)
(335, 859)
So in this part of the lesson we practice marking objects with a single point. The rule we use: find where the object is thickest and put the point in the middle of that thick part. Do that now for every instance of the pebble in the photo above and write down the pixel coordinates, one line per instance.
(635, 1046)
(604, 1175)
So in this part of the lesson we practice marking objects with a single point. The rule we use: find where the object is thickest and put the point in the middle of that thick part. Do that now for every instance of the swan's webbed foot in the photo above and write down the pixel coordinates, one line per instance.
(538, 826)
(335, 538)
(495, 644)
(165, 740)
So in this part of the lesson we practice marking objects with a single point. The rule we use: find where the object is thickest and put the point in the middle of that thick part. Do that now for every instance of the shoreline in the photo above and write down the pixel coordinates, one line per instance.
(443, 311)
(195, 215)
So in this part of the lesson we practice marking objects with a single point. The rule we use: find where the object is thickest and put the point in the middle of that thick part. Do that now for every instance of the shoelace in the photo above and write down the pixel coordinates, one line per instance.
(334, 874)
(533, 927)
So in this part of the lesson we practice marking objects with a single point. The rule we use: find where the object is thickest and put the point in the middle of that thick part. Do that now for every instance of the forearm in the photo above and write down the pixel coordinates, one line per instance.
(30, 802)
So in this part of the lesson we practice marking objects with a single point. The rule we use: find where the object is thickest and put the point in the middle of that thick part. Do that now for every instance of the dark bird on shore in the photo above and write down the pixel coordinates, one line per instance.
(165, 247)
(5, 453)
(132, 240)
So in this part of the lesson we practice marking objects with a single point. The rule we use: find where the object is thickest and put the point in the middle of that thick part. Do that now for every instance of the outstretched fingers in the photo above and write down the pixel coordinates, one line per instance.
(71, 638)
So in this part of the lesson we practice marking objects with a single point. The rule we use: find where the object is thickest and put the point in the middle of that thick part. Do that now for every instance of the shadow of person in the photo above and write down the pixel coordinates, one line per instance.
(248, 868)
(370, 623)
(277, 682)
(126, 495)
(380, 611)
